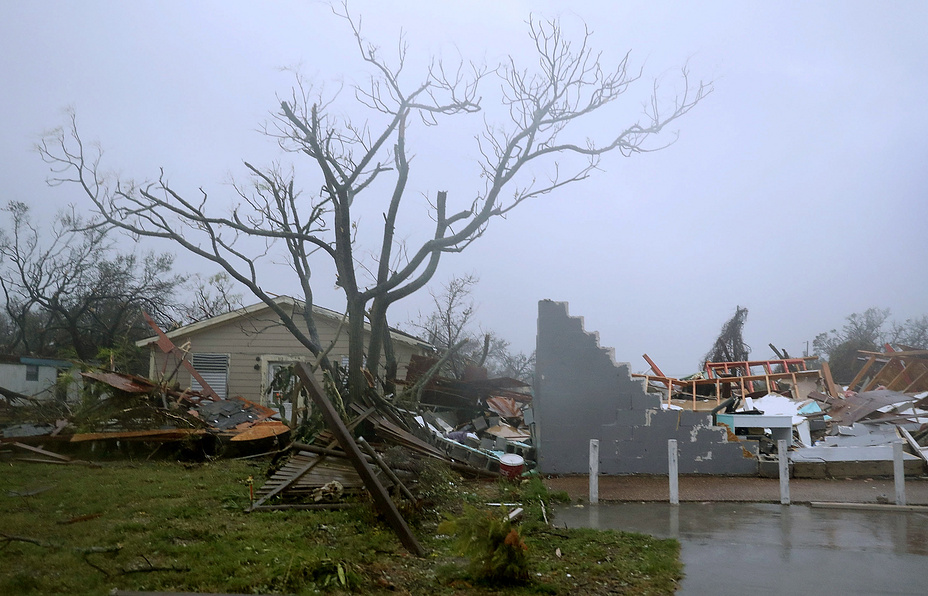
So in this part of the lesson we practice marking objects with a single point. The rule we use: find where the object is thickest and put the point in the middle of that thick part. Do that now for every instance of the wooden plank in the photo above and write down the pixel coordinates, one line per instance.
(829, 380)
(52, 454)
(343, 435)
(655, 368)
(174, 434)
(914, 384)
(919, 450)
(262, 430)
(863, 371)
(167, 346)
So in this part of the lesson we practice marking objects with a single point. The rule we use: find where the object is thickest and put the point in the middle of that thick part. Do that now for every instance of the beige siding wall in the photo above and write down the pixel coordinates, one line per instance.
(250, 341)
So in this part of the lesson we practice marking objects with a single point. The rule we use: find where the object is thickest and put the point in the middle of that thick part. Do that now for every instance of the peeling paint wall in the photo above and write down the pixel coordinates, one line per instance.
(582, 393)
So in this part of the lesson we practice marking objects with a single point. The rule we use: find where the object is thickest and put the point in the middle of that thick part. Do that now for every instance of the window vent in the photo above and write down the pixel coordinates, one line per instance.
(214, 368)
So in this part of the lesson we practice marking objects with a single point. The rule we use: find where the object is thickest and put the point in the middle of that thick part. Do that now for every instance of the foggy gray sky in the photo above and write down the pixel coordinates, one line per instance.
(797, 189)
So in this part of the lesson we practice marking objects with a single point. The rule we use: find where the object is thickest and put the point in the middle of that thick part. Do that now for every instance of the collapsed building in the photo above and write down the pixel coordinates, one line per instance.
(726, 419)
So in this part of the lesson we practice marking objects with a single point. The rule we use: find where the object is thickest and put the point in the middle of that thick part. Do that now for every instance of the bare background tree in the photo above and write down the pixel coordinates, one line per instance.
(868, 331)
(450, 326)
(367, 162)
(69, 293)
(210, 296)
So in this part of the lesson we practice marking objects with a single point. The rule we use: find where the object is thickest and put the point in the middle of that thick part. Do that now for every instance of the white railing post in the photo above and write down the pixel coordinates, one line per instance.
(672, 462)
(594, 471)
(784, 471)
(899, 473)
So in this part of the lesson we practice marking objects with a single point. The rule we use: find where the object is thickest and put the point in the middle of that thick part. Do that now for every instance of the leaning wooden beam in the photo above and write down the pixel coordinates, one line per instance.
(654, 367)
(829, 380)
(320, 450)
(167, 346)
(862, 372)
(44, 452)
(343, 435)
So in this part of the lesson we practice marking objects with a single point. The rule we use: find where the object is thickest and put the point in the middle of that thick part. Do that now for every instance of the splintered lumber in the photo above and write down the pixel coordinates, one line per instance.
(918, 449)
(343, 435)
(862, 372)
(44, 452)
(829, 380)
(295, 480)
(386, 469)
(304, 468)
(393, 433)
(173, 434)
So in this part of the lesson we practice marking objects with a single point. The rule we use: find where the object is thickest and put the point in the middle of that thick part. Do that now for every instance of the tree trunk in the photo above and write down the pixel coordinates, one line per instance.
(357, 383)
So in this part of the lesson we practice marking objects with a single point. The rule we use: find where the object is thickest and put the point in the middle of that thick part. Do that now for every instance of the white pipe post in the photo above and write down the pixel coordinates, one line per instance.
(672, 461)
(899, 473)
(784, 472)
(594, 471)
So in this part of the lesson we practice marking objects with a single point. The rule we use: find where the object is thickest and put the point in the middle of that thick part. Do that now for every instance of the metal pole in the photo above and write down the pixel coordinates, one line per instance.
(784, 472)
(594, 471)
(899, 473)
(672, 461)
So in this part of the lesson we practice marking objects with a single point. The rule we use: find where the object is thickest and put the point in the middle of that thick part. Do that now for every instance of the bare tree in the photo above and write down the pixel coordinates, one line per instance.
(913, 334)
(211, 296)
(69, 293)
(451, 327)
(546, 107)
(502, 361)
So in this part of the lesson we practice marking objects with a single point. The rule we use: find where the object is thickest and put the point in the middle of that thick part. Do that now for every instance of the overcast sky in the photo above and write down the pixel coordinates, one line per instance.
(796, 189)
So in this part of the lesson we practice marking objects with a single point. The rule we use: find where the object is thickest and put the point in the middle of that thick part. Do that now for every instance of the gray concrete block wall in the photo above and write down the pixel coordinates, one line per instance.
(582, 393)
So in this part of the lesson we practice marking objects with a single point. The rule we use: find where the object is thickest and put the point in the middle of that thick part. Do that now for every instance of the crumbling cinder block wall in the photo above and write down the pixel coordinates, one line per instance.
(581, 393)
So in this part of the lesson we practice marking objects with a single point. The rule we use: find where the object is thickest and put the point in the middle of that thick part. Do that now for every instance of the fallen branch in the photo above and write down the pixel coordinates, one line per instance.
(86, 550)
(151, 568)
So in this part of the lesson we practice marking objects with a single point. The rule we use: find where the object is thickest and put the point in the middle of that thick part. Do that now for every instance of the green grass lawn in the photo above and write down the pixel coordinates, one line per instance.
(181, 527)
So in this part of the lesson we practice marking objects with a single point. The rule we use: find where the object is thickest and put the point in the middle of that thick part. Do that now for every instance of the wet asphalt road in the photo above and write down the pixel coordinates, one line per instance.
(763, 548)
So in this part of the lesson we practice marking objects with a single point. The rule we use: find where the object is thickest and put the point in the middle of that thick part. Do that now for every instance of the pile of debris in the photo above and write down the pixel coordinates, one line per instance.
(478, 426)
(832, 431)
(131, 413)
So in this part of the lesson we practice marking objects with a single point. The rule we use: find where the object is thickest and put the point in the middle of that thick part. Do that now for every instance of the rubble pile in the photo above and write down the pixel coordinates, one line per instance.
(118, 410)
(832, 431)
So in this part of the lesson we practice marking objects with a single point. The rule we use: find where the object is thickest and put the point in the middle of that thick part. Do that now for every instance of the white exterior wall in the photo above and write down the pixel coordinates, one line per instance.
(13, 377)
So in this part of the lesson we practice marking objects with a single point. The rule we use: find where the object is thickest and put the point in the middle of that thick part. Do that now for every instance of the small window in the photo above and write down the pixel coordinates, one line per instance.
(32, 372)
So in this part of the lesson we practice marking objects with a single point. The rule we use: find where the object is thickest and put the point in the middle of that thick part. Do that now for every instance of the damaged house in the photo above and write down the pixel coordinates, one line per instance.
(35, 377)
(238, 353)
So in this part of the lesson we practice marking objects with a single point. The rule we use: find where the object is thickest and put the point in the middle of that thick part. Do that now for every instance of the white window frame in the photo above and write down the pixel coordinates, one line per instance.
(267, 361)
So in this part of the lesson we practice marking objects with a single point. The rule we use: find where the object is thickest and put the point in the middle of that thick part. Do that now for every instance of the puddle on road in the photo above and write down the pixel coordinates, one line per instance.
(734, 548)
